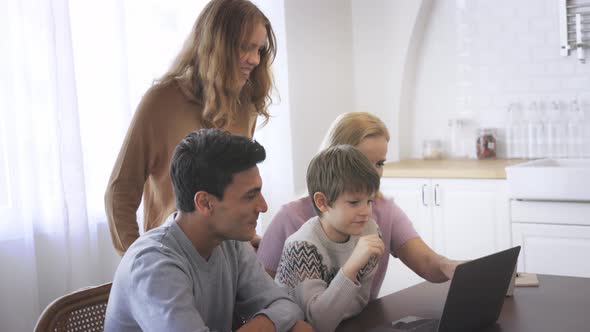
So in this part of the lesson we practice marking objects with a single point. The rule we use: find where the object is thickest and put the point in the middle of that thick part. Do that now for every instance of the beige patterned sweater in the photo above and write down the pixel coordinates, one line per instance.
(310, 270)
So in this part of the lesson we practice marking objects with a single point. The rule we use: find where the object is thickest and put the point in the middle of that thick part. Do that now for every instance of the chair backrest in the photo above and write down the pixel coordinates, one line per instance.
(82, 310)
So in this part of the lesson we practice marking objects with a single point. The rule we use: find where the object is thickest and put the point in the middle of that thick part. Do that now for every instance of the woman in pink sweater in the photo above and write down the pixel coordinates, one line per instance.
(369, 134)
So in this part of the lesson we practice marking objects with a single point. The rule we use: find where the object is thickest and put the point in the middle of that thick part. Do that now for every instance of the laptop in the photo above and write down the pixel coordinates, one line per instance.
(474, 299)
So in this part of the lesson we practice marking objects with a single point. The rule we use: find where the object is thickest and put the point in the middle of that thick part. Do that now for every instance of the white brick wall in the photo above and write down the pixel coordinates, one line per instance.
(506, 51)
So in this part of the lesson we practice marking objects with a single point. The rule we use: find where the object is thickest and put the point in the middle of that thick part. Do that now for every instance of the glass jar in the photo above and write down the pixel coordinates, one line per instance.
(486, 143)
(432, 149)
(456, 139)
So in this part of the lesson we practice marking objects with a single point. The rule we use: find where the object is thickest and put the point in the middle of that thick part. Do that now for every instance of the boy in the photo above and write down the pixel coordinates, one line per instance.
(327, 265)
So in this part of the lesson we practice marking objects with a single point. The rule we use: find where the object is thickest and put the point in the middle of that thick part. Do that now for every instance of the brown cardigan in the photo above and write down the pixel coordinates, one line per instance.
(163, 118)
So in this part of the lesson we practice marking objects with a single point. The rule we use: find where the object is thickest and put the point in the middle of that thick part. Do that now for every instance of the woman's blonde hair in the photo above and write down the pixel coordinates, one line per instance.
(207, 68)
(351, 128)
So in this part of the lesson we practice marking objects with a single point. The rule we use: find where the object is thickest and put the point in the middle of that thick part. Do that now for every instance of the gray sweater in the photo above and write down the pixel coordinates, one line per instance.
(163, 284)
(310, 269)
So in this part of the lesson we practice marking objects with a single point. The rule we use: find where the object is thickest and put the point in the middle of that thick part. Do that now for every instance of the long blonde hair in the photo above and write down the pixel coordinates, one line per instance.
(207, 67)
(351, 128)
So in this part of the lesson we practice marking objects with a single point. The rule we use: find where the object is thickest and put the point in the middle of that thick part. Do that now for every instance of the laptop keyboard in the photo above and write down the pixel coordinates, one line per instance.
(420, 325)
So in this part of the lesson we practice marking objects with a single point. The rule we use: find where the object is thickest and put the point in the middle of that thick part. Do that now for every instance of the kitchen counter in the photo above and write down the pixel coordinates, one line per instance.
(450, 168)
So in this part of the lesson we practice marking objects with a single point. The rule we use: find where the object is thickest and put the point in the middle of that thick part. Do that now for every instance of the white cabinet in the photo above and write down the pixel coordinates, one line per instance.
(555, 237)
(458, 218)
(470, 217)
(553, 249)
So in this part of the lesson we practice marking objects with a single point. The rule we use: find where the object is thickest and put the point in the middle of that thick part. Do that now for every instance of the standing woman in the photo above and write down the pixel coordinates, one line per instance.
(220, 79)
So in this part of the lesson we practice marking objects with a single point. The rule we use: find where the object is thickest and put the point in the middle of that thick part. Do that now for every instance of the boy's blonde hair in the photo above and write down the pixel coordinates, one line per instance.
(340, 169)
(351, 128)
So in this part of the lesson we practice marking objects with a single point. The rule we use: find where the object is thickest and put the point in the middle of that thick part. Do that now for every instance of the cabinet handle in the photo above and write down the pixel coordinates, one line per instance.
(436, 195)
(423, 200)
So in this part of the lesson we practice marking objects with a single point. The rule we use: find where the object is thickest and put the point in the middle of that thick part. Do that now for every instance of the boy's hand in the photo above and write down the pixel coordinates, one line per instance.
(302, 326)
(255, 241)
(258, 323)
(367, 247)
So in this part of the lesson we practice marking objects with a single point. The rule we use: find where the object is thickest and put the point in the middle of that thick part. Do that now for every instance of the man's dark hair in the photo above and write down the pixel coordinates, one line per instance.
(206, 160)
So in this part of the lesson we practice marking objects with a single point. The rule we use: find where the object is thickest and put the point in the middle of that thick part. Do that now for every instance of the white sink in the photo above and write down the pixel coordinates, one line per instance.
(550, 179)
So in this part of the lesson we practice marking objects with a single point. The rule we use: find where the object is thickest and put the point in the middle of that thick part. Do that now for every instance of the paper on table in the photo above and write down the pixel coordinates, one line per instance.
(510, 290)
(524, 279)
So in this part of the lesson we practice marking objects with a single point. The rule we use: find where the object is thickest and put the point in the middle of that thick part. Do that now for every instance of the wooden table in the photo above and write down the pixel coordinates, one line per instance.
(558, 304)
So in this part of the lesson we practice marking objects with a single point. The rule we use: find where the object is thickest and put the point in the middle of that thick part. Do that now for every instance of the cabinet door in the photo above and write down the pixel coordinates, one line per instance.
(413, 196)
(470, 217)
(553, 249)
(408, 195)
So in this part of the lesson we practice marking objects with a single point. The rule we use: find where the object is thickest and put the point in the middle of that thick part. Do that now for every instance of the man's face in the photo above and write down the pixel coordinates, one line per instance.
(235, 217)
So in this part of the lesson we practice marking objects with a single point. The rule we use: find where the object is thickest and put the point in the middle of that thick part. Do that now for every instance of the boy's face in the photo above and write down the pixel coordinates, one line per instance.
(347, 215)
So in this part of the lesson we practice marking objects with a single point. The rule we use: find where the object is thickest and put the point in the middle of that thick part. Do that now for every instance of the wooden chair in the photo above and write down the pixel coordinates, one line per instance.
(82, 310)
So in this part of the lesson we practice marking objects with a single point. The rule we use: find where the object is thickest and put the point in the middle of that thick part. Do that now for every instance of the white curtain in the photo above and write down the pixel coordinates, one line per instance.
(48, 224)
(71, 75)
(277, 169)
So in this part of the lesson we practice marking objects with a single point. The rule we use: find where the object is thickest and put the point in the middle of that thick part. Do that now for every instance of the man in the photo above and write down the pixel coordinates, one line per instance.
(197, 271)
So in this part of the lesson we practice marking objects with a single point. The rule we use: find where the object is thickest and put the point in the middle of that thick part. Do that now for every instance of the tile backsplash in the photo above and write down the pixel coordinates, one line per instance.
(506, 52)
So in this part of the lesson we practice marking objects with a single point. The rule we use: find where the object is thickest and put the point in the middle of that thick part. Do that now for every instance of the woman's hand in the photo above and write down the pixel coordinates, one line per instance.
(448, 266)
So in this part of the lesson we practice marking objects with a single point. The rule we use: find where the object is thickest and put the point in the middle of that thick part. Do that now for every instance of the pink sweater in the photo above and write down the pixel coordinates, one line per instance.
(395, 227)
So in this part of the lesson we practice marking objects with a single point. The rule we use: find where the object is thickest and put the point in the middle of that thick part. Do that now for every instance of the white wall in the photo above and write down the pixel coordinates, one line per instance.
(386, 36)
(477, 56)
(319, 46)
(354, 55)
(435, 87)
(418, 63)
